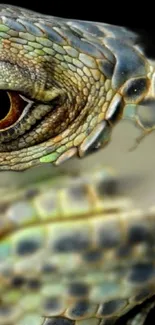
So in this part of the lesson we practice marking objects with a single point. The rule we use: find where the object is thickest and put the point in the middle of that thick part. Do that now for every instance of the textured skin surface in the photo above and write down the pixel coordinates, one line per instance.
(77, 253)
(80, 250)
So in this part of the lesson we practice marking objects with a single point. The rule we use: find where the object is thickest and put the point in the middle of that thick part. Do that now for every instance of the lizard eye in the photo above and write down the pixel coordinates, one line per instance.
(12, 107)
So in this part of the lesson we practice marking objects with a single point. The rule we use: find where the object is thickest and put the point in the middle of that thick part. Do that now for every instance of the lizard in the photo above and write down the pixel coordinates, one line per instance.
(73, 250)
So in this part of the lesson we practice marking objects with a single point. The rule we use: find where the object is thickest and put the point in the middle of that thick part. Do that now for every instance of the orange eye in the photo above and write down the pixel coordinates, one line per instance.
(11, 108)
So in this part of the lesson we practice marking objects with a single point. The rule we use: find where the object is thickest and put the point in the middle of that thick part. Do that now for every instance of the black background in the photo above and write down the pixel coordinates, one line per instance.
(132, 14)
(136, 15)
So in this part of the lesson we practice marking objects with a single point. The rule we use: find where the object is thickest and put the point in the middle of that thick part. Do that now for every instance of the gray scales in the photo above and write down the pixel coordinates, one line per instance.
(74, 250)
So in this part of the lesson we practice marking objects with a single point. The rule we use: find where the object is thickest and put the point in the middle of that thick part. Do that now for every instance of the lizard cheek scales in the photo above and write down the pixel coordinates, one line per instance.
(66, 84)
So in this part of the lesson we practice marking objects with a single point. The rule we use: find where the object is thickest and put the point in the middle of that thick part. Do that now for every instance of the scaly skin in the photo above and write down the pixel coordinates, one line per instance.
(71, 252)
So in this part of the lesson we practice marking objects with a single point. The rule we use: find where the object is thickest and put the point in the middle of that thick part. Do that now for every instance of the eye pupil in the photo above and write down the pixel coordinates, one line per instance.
(11, 108)
(4, 104)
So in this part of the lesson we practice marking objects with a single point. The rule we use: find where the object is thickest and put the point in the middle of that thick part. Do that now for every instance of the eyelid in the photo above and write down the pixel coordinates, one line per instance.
(27, 107)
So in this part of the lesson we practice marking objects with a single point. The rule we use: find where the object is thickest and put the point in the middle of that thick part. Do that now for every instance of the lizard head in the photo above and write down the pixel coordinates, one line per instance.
(63, 86)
